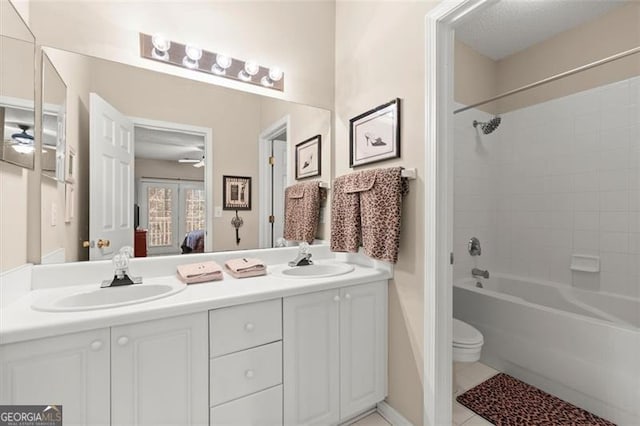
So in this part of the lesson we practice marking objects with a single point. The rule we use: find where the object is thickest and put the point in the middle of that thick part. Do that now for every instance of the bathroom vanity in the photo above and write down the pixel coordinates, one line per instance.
(266, 350)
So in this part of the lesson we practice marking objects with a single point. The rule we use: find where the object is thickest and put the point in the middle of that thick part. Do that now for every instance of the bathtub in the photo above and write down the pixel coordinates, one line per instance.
(581, 346)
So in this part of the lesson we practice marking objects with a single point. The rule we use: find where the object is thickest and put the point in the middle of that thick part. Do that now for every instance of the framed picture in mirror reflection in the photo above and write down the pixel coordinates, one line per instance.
(236, 192)
(308, 160)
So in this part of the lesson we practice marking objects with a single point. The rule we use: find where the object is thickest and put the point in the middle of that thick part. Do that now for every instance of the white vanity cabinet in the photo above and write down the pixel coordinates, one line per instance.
(335, 353)
(159, 372)
(147, 373)
(72, 370)
(246, 364)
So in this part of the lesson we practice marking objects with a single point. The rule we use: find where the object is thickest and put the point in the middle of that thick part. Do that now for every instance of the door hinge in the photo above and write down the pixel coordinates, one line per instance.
(451, 259)
(272, 219)
(272, 160)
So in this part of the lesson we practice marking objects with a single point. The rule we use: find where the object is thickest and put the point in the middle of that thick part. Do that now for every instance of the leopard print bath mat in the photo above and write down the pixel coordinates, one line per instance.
(505, 401)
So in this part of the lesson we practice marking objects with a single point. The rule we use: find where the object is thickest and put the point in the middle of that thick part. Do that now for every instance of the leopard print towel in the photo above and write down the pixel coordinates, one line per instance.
(301, 211)
(366, 208)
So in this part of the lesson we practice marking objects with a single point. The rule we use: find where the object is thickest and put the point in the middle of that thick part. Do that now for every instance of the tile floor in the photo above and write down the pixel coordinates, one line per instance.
(468, 376)
(373, 419)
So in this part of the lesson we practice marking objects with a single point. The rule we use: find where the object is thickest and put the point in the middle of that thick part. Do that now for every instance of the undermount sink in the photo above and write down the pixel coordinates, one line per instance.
(318, 270)
(104, 298)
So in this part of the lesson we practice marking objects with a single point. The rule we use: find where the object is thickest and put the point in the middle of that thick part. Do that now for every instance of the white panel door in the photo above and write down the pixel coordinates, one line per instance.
(310, 359)
(71, 370)
(111, 179)
(160, 372)
(279, 185)
(363, 347)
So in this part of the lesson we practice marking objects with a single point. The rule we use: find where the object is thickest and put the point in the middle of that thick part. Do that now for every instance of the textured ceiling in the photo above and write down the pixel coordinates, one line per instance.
(510, 26)
(165, 145)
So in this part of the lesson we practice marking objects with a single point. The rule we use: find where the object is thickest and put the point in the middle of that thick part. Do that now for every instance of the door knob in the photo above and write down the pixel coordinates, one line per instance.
(123, 340)
(249, 326)
(103, 243)
(87, 244)
(336, 298)
(96, 345)
(347, 296)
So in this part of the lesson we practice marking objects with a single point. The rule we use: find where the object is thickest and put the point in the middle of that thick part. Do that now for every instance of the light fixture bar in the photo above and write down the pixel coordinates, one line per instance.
(183, 56)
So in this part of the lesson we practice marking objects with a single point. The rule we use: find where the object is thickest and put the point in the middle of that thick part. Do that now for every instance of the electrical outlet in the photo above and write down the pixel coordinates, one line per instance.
(217, 211)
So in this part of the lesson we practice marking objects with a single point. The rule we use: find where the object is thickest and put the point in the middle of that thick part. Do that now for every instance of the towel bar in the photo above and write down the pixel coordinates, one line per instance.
(410, 173)
(323, 184)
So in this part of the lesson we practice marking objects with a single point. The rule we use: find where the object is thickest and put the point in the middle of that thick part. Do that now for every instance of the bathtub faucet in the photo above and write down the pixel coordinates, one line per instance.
(476, 273)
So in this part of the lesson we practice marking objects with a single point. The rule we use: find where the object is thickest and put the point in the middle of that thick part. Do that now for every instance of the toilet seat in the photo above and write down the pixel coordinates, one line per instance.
(466, 336)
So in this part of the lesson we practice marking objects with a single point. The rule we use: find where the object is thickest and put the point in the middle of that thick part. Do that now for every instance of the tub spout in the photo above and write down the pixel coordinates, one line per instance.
(475, 272)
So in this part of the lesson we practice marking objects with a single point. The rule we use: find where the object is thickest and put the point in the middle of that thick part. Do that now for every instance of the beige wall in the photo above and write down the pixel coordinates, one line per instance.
(476, 77)
(298, 36)
(380, 56)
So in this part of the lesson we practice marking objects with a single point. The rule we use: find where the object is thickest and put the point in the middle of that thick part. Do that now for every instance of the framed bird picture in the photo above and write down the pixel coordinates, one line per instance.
(308, 158)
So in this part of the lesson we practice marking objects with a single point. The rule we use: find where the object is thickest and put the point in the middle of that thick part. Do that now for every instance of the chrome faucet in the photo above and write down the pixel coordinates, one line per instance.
(304, 257)
(477, 273)
(121, 270)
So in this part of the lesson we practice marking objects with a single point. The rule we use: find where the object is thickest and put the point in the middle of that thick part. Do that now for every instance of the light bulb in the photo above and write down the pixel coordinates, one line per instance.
(275, 74)
(161, 46)
(251, 68)
(222, 63)
(266, 81)
(194, 53)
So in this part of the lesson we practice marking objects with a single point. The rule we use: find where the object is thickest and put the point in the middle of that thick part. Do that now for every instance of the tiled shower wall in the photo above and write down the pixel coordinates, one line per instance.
(555, 179)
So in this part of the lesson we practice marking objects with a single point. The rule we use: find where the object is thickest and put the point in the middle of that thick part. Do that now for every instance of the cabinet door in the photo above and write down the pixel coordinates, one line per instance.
(363, 347)
(70, 370)
(311, 370)
(160, 372)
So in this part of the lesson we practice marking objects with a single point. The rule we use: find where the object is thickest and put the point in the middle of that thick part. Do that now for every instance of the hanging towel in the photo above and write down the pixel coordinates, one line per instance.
(245, 267)
(301, 211)
(366, 209)
(199, 272)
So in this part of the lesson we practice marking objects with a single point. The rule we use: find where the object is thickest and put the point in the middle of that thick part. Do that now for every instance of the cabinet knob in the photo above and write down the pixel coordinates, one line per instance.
(347, 296)
(336, 298)
(249, 326)
(96, 345)
(249, 374)
(123, 340)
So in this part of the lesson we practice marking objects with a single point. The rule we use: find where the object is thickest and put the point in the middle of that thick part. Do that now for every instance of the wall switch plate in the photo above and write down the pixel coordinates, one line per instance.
(54, 214)
(217, 211)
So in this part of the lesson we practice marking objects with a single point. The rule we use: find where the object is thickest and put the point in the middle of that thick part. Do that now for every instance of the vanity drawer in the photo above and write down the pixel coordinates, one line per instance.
(260, 409)
(244, 326)
(242, 373)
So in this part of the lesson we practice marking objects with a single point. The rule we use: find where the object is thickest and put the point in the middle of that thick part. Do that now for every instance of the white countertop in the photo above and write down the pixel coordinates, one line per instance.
(20, 322)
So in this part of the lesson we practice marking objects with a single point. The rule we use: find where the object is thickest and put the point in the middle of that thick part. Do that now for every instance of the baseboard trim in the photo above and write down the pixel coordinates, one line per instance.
(391, 415)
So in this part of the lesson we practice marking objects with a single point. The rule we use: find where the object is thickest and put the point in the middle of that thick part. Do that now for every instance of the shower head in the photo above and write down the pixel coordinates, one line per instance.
(489, 126)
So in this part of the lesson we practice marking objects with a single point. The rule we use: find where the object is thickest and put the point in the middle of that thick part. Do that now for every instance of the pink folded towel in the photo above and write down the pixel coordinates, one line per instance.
(200, 272)
(245, 267)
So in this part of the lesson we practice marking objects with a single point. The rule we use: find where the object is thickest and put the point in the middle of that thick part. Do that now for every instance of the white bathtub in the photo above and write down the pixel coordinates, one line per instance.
(581, 346)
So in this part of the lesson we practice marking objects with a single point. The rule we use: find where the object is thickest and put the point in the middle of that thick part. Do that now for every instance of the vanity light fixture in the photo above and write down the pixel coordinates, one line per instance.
(190, 56)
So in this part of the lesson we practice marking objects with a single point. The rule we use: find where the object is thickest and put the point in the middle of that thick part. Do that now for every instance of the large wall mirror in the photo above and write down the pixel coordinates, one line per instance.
(144, 159)
(17, 119)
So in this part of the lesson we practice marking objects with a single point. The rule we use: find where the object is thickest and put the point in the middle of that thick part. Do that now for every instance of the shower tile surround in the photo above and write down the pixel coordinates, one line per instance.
(555, 179)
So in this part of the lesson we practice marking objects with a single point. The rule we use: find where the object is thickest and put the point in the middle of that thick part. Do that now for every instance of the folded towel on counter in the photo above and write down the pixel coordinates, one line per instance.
(193, 273)
(301, 211)
(245, 267)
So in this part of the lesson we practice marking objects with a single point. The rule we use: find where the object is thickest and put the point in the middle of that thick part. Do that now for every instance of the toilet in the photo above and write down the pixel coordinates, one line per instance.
(467, 345)
(467, 342)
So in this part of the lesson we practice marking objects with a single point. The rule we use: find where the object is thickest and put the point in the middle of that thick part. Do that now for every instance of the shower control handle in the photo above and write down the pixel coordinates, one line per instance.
(474, 247)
